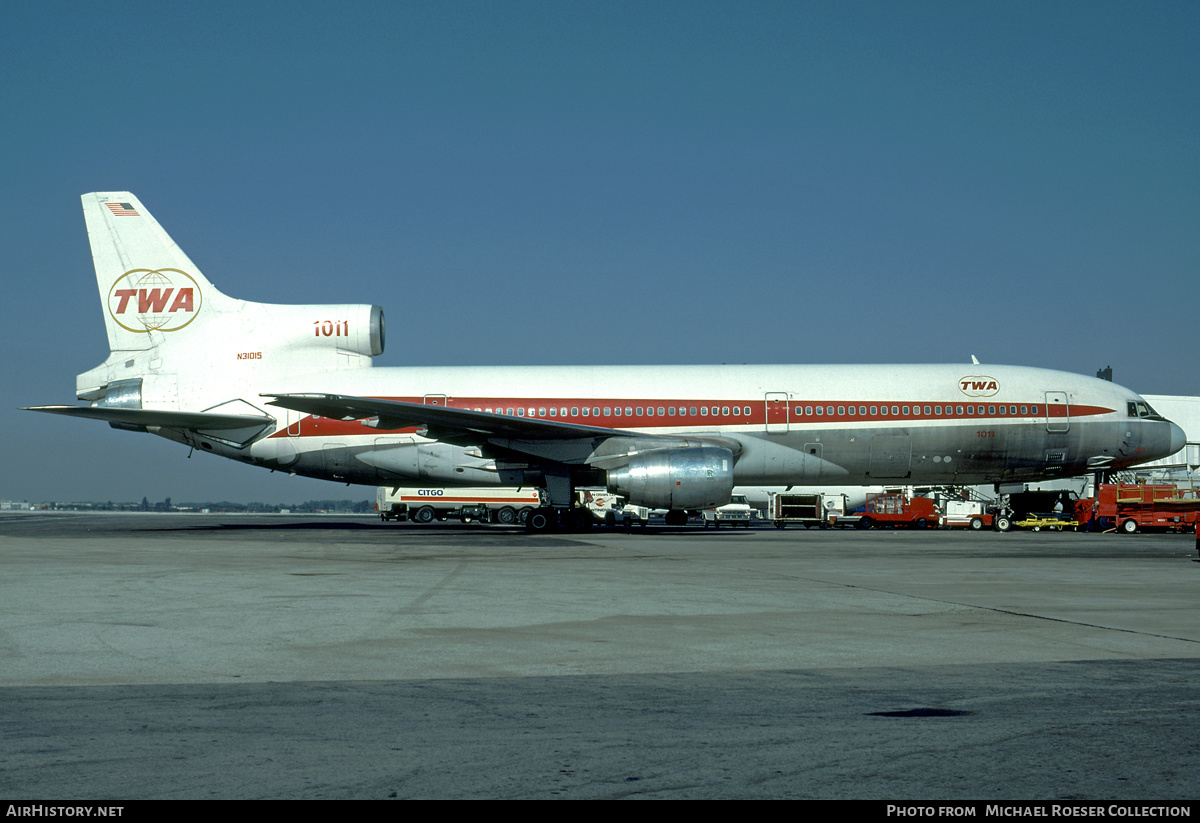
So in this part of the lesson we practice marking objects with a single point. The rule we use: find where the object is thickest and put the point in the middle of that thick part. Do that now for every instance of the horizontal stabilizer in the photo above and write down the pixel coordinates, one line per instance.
(234, 429)
(193, 421)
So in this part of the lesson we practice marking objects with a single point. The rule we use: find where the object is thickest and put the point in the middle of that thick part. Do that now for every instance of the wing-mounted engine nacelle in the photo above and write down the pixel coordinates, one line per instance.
(695, 477)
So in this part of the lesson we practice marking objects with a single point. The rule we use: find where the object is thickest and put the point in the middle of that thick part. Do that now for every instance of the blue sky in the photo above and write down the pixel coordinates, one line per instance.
(605, 182)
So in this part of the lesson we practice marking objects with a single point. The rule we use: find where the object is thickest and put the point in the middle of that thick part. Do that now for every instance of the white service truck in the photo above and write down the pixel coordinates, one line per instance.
(966, 514)
(611, 509)
(736, 511)
(806, 508)
(507, 506)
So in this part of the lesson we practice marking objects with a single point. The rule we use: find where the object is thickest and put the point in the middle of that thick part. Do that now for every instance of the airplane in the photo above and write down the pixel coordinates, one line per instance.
(292, 388)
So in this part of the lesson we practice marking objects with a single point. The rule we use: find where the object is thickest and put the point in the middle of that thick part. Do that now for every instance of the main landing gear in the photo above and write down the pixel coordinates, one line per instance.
(548, 519)
(677, 517)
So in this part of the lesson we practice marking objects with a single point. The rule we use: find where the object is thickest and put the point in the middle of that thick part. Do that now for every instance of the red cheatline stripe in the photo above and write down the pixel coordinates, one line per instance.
(757, 416)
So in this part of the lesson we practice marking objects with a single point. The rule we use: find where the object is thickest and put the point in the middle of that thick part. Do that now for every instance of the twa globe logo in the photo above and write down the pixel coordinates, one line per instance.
(146, 300)
(978, 385)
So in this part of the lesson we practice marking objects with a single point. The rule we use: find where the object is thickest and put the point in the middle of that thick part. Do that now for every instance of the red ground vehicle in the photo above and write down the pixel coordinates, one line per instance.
(1128, 508)
(896, 509)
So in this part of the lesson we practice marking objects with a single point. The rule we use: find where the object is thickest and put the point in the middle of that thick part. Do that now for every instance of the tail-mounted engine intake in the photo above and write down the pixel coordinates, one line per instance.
(349, 328)
(695, 477)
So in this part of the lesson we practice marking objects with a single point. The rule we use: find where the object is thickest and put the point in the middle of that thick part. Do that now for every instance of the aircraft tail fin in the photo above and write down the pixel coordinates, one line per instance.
(148, 286)
(175, 341)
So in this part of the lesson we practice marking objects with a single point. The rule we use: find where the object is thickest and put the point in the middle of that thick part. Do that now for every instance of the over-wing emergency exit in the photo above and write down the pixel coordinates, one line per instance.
(292, 388)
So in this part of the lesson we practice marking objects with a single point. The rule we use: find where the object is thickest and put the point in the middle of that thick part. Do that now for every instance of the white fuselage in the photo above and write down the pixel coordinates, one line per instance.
(801, 425)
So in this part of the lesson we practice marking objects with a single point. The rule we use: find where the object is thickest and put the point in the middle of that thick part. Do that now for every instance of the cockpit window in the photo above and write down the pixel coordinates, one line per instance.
(1142, 409)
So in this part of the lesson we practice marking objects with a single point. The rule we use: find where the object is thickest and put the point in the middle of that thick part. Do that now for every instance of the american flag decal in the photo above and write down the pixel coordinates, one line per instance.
(122, 209)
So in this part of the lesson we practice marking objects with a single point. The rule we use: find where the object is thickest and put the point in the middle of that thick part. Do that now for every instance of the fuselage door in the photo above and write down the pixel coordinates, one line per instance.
(1058, 412)
(777, 412)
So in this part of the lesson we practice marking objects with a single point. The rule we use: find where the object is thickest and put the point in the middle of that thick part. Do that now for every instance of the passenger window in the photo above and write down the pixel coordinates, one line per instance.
(704, 411)
(585, 411)
(692, 411)
(737, 411)
(905, 409)
(553, 412)
(660, 411)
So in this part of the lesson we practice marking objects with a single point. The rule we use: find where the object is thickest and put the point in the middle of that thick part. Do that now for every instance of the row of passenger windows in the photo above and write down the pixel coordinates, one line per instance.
(627, 411)
(803, 411)
(739, 411)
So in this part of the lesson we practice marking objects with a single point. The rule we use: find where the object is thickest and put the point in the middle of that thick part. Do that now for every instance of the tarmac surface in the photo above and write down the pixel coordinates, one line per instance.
(214, 656)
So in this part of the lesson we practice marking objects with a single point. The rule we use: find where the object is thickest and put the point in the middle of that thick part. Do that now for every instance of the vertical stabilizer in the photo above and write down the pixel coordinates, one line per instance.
(148, 286)
(176, 342)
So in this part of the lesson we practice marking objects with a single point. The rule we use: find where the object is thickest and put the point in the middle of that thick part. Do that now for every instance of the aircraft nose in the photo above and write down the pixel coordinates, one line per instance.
(1178, 439)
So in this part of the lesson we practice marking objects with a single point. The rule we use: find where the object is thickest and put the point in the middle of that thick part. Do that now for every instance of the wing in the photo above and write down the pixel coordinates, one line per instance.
(531, 436)
(441, 422)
